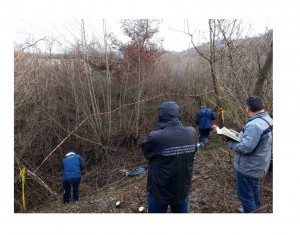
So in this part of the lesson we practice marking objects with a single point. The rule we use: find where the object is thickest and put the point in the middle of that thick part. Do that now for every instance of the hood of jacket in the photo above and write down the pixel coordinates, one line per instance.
(169, 115)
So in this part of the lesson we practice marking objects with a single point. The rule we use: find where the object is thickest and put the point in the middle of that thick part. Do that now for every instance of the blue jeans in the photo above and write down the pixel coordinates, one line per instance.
(248, 192)
(67, 184)
(156, 207)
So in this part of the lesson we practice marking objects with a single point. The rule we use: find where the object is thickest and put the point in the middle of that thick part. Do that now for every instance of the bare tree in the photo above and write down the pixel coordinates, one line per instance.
(211, 58)
(263, 71)
(108, 78)
(142, 55)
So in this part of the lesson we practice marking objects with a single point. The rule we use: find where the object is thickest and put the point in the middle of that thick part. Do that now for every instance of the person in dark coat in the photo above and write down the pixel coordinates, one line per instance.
(204, 118)
(72, 166)
(170, 149)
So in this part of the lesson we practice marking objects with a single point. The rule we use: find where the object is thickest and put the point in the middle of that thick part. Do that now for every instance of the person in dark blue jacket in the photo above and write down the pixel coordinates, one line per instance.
(72, 166)
(204, 118)
(170, 149)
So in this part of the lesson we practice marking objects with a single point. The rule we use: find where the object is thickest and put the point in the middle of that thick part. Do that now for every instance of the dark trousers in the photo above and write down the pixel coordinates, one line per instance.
(248, 192)
(157, 207)
(204, 134)
(68, 184)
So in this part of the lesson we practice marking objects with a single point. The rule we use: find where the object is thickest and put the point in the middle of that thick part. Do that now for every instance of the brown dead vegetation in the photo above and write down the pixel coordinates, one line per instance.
(54, 93)
(212, 190)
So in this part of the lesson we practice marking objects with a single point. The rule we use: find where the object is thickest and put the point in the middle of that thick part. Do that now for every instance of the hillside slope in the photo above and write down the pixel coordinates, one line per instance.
(212, 190)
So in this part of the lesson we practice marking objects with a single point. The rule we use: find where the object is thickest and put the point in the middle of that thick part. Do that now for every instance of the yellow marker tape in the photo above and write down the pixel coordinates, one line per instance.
(222, 114)
(22, 176)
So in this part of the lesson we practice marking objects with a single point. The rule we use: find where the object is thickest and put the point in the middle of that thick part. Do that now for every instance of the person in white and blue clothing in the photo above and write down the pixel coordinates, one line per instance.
(72, 166)
(252, 155)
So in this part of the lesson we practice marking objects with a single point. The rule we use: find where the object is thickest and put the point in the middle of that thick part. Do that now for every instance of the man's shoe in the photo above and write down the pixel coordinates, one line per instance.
(201, 145)
(240, 210)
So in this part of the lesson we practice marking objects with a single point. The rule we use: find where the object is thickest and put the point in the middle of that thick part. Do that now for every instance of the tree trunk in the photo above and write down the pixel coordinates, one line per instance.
(262, 73)
(212, 62)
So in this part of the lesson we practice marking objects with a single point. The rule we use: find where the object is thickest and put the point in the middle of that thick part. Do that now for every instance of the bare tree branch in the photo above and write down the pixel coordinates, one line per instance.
(33, 44)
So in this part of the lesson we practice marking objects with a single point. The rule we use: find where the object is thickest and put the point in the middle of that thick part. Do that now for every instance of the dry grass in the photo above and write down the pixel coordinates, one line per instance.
(212, 190)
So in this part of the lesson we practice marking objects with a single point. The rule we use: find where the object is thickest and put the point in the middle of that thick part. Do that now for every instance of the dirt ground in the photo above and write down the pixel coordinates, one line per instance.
(212, 189)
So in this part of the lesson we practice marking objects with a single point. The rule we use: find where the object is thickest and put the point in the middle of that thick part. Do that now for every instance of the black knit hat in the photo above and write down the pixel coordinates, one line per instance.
(254, 103)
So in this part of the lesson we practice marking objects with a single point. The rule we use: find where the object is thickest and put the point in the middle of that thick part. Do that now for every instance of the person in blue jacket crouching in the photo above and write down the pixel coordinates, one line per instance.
(72, 166)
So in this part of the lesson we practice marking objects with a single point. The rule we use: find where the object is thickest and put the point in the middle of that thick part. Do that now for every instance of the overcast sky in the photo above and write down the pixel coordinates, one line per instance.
(67, 31)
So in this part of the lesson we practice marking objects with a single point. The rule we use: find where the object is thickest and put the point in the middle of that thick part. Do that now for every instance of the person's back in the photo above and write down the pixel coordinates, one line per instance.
(204, 117)
(72, 165)
(203, 120)
(170, 150)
